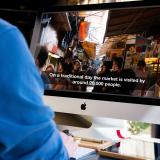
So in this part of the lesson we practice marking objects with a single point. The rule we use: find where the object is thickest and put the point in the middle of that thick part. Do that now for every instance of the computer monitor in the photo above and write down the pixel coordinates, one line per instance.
(103, 60)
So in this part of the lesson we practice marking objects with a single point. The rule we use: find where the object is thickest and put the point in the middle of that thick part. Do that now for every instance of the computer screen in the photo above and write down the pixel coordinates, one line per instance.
(103, 54)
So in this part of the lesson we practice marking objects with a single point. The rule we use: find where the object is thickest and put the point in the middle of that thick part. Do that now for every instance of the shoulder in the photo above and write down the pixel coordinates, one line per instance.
(5, 26)
(13, 36)
(152, 88)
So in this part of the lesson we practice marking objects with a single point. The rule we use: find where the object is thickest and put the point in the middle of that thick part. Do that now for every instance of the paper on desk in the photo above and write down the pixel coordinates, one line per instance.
(135, 147)
(82, 152)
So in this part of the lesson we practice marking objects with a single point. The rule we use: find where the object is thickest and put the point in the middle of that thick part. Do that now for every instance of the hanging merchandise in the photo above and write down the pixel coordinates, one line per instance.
(70, 34)
(54, 49)
(148, 53)
(83, 30)
(131, 57)
(156, 48)
(141, 45)
(90, 49)
(128, 63)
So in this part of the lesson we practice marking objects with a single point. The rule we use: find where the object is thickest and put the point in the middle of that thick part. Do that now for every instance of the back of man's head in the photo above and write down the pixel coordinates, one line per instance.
(42, 57)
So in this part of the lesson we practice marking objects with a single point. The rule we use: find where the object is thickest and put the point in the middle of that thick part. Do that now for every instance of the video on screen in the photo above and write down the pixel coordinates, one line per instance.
(104, 51)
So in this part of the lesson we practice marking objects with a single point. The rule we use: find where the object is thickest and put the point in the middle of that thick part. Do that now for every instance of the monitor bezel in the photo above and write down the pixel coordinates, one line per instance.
(94, 95)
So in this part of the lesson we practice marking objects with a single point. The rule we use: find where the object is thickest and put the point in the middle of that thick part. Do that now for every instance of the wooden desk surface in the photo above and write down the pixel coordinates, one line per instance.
(96, 157)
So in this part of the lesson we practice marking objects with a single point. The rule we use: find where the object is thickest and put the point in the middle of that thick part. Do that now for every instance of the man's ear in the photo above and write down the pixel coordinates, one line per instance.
(37, 62)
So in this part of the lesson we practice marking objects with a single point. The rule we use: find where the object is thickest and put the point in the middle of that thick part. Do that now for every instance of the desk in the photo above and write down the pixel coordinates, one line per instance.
(95, 157)
(150, 150)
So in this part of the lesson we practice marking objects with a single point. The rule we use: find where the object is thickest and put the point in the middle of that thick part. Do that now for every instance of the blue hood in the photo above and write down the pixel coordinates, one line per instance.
(27, 131)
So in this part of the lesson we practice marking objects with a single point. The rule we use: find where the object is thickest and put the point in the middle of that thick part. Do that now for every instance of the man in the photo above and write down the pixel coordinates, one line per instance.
(117, 65)
(154, 91)
(40, 63)
(143, 73)
(76, 67)
(27, 131)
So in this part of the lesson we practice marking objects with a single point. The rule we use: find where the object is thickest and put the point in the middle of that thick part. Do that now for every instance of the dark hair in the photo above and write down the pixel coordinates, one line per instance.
(127, 87)
(76, 61)
(141, 63)
(107, 64)
(42, 56)
(61, 62)
(118, 61)
(84, 67)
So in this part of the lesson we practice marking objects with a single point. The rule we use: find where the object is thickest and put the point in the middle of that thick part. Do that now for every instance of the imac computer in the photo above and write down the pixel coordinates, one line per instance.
(104, 59)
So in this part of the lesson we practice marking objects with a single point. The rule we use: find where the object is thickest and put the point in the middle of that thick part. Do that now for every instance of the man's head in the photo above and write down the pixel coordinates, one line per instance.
(117, 63)
(76, 66)
(158, 82)
(106, 66)
(49, 69)
(141, 65)
(42, 57)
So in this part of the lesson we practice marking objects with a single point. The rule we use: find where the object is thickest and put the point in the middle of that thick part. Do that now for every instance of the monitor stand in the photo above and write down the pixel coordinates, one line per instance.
(71, 120)
(98, 128)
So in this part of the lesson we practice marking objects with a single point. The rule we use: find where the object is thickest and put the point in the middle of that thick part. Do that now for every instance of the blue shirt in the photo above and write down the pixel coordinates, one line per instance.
(27, 131)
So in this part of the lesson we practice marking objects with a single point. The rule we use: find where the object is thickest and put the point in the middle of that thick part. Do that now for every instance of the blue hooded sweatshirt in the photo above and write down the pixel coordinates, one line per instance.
(27, 131)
